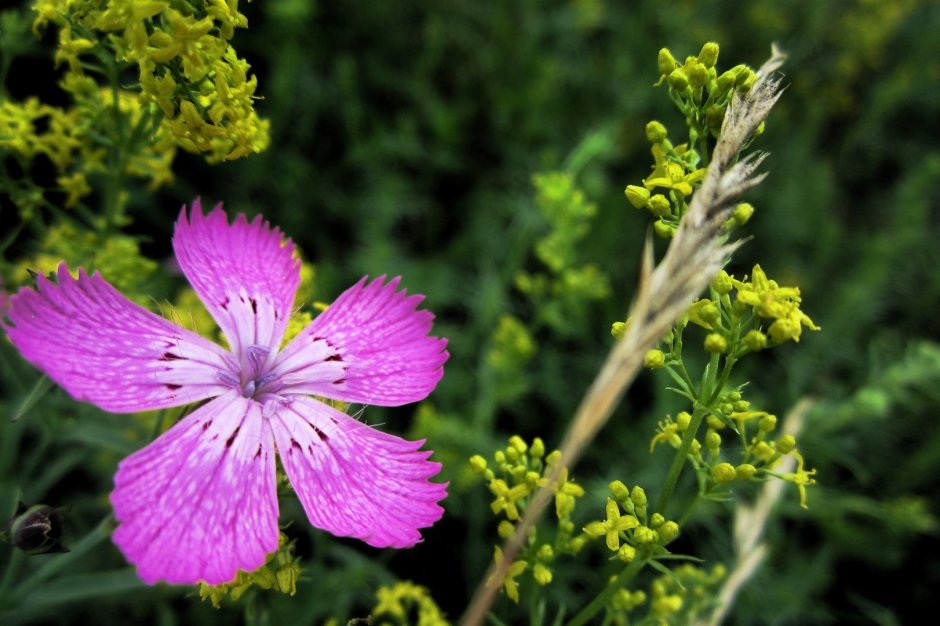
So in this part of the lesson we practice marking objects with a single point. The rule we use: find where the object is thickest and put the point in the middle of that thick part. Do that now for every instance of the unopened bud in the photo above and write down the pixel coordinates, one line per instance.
(709, 54)
(637, 196)
(36, 529)
(665, 62)
(724, 472)
(655, 132)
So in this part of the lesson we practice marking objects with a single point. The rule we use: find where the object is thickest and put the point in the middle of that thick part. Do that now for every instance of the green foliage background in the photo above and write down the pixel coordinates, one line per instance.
(404, 137)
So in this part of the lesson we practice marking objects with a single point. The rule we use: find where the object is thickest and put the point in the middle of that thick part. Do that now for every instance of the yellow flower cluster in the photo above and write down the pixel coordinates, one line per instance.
(280, 572)
(519, 470)
(398, 603)
(187, 70)
(771, 301)
(626, 529)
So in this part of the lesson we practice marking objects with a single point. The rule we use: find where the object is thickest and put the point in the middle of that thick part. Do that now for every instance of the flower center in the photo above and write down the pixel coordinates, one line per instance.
(252, 378)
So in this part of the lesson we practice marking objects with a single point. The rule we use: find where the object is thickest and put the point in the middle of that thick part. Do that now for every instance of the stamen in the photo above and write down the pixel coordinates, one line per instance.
(249, 389)
(257, 355)
(227, 379)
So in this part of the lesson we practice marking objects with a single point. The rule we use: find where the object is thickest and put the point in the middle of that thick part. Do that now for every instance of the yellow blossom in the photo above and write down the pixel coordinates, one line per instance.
(612, 526)
(509, 582)
(507, 497)
(801, 478)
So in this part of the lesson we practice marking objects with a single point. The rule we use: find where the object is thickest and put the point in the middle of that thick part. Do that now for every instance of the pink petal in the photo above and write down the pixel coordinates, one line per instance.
(104, 349)
(370, 346)
(244, 272)
(354, 480)
(200, 502)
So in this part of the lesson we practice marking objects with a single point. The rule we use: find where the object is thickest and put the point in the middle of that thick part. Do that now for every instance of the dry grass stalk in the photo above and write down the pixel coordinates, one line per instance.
(698, 250)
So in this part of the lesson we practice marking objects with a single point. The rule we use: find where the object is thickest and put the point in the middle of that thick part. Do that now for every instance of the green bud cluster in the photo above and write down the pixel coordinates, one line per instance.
(280, 572)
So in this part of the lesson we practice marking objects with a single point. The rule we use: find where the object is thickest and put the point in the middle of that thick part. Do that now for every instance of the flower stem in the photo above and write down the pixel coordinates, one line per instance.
(603, 597)
(698, 414)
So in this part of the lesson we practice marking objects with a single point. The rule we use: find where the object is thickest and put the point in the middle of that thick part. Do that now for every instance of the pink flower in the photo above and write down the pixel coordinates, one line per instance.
(200, 502)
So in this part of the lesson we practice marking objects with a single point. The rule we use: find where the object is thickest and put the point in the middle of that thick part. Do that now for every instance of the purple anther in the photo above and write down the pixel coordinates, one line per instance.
(257, 355)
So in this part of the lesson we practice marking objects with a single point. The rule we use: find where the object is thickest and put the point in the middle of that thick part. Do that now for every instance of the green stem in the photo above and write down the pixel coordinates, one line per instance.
(698, 414)
(603, 597)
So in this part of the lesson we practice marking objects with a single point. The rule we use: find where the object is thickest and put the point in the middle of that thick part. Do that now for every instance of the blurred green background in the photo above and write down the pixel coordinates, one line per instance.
(404, 140)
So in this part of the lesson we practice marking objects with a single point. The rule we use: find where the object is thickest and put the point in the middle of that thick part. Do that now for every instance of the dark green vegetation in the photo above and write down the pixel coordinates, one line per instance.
(404, 139)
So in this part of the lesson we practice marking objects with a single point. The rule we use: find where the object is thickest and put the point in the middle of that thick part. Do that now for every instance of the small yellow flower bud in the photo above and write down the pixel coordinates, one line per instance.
(725, 81)
(683, 419)
(499, 456)
(654, 359)
(659, 205)
(709, 54)
(541, 574)
(512, 455)
(696, 447)
(667, 605)
(755, 340)
(626, 553)
(537, 449)
(723, 472)
(566, 526)
(505, 529)
(638, 496)
(668, 531)
(712, 441)
(518, 443)
(488, 475)
(644, 534)
(714, 422)
(546, 553)
(532, 478)
(786, 444)
(553, 457)
(663, 230)
(722, 283)
(740, 405)
(715, 344)
(709, 312)
(733, 396)
(665, 62)
(744, 471)
(618, 329)
(656, 520)
(760, 129)
(767, 423)
(619, 491)
(742, 213)
(678, 80)
(477, 464)
(698, 76)
(655, 132)
(748, 81)
(637, 196)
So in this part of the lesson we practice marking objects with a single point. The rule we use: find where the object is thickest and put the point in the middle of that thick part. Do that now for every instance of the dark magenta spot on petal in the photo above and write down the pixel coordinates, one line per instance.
(230, 440)
(334, 357)
(169, 356)
(172, 387)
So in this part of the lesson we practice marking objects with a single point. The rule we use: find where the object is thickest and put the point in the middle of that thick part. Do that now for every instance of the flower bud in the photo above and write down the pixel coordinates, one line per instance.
(541, 574)
(784, 329)
(714, 116)
(477, 464)
(715, 344)
(786, 444)
(656, 520)
(638, 496)
(36, 529)
(723, 472)
(668, 531)
(742, 213)
(678, 80)
(740, 405)
(637, 196)
(698, 76)
(644, 534)
(683, 419)
(537, 449)
(714, 422)
(709, 54)
(287, 578)
(518, 443)
(654, 359)
(553, 457)
(618, 329)
(722, 283)
(663, 230)
(712, 440)
(767, 423)
(655, 132)
(659, 205)
(505, 529)
(755, 340)
(665, 62)
(626, 553)
(619, 491)
(725, 81)
(744, 471)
